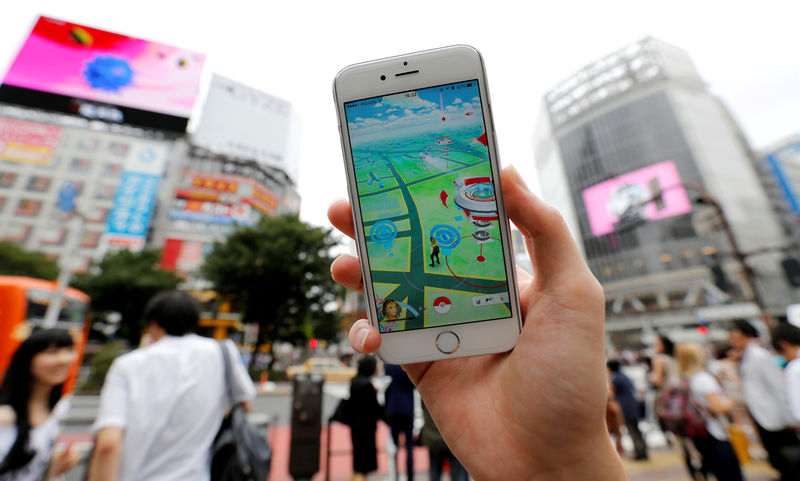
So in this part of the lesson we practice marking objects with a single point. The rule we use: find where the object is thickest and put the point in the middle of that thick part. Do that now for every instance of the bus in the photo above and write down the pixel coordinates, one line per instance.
(23, 304)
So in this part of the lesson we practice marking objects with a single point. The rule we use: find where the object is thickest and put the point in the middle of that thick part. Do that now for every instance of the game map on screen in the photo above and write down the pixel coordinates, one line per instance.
(428, 206)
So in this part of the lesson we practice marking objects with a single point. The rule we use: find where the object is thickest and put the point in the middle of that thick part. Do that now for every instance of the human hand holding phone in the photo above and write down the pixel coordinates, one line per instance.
(537, 412)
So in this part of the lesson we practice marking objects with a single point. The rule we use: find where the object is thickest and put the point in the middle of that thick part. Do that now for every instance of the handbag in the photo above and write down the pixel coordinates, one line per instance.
(343, 412)
(739, 442)
(240, 451)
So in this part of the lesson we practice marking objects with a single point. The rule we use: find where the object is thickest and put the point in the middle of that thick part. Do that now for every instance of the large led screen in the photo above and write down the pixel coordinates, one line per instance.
(647, 194)
(78, 62)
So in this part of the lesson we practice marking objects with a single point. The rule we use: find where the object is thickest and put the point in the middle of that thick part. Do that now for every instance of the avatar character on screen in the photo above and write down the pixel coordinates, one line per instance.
(434, 251)
(390, 310)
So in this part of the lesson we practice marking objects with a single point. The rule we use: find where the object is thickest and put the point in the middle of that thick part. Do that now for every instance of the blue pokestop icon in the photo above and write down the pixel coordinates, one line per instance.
(383, 232)
(446, 236)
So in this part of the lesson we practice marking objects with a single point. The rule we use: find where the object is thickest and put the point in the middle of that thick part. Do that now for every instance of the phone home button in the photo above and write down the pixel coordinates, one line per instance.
(447, 342)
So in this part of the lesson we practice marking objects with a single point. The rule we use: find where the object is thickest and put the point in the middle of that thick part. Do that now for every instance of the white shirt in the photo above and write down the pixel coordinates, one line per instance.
(792, 376)
(40, 439)
(764, 389)
(170, 398)
(703, 383)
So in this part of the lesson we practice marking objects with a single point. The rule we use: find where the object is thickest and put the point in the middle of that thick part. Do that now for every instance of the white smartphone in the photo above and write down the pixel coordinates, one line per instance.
(424, 183)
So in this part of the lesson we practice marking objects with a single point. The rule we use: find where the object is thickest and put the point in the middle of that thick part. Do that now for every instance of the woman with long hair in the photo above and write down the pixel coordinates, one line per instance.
(715, 448)
(30, 405)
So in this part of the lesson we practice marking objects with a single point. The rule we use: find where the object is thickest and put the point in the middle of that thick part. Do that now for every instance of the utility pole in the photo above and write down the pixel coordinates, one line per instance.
(738, 254)
(66, 204)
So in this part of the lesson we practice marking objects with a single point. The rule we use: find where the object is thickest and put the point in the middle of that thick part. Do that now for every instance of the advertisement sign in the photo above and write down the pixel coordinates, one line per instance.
(226, 189)
(241, 121)
(183, 255)
(129, 218)
(62, 63)
(28, 142)
(646, 194)
(212, 212)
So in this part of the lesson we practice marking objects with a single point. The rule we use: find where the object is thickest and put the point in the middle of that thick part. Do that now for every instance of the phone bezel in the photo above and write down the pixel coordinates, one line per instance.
(434, 67)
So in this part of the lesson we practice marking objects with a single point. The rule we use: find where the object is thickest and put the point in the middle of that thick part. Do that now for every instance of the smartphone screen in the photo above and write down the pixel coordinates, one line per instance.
(424, 185)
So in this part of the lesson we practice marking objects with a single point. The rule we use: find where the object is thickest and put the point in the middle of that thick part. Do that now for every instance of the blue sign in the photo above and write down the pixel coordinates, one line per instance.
(784, 182)
(66, 197)
(133, 204)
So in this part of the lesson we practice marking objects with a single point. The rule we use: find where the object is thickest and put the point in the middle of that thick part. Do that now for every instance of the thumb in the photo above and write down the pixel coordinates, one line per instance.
(552, 249)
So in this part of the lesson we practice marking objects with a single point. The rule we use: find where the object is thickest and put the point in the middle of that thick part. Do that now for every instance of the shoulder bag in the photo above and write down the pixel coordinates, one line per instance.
(240, 451)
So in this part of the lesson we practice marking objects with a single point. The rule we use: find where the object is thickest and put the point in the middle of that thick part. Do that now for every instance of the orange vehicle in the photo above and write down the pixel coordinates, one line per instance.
(23, 304)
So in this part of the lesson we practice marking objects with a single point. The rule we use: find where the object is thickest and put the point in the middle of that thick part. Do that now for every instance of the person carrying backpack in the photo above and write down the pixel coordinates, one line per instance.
(703, 400)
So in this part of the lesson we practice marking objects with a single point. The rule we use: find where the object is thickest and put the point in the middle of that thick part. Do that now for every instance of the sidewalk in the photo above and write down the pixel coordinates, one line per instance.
(667, 465)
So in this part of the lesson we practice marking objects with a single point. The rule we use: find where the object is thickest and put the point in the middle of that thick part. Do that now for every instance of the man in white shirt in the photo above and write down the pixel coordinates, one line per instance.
(162, 405)
(786, 341)
(765, 396)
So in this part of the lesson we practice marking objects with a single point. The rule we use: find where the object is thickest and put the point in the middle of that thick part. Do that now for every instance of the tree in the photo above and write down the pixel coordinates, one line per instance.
(16, 261)
(123, 282)
(278, 273)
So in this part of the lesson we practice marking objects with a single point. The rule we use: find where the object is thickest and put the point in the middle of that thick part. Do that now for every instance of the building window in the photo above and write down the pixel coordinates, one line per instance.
(84, 266)
(118, 149)
(111, 170)
(53, 236)
(87, 145)
(28, 207)
(17, 233)
(7, 179)
(78, 185)
(80, 165)
(90, 239)
(38, 183)
(104, 191)
(98, 214)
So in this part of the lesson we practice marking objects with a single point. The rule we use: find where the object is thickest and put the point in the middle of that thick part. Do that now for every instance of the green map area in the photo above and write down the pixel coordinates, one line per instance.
(421, 186)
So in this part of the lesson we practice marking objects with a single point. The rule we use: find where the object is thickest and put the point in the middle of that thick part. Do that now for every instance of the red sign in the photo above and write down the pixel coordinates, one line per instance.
(29, 142)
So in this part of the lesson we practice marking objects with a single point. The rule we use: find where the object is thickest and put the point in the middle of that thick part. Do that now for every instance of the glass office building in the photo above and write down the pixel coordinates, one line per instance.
(624, 148)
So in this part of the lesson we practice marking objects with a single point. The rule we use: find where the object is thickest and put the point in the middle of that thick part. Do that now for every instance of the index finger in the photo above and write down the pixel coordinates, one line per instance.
(341, 216)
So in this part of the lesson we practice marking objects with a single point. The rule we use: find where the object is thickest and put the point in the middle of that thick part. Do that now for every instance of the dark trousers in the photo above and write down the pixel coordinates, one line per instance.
(719, 458)
(694, 470)
(639, 445)
(437, 457)
(773, 442)
(405, 425)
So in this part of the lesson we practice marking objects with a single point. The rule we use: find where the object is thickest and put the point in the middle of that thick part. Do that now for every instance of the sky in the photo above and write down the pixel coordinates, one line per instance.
(747, 53)
(429, 110)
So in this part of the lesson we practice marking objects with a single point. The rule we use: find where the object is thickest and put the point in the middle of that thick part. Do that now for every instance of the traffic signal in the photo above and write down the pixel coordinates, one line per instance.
(313, 343)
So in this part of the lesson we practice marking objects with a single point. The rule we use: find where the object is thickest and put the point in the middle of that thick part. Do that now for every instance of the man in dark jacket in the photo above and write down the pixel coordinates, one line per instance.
(625, 395)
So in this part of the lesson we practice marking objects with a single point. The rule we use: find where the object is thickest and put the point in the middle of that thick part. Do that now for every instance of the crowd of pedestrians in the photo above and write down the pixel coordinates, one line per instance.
(732, 389)
(399, 413)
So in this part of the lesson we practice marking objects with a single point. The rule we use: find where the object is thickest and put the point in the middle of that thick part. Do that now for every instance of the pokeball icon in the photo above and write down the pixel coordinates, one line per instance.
(442, 305)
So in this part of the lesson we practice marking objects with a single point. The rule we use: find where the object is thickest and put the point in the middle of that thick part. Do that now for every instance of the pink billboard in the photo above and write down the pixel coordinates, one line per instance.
(86, 63)
(650, 193)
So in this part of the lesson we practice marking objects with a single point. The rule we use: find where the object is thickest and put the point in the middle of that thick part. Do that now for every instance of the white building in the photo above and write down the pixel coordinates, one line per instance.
(614, 144)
